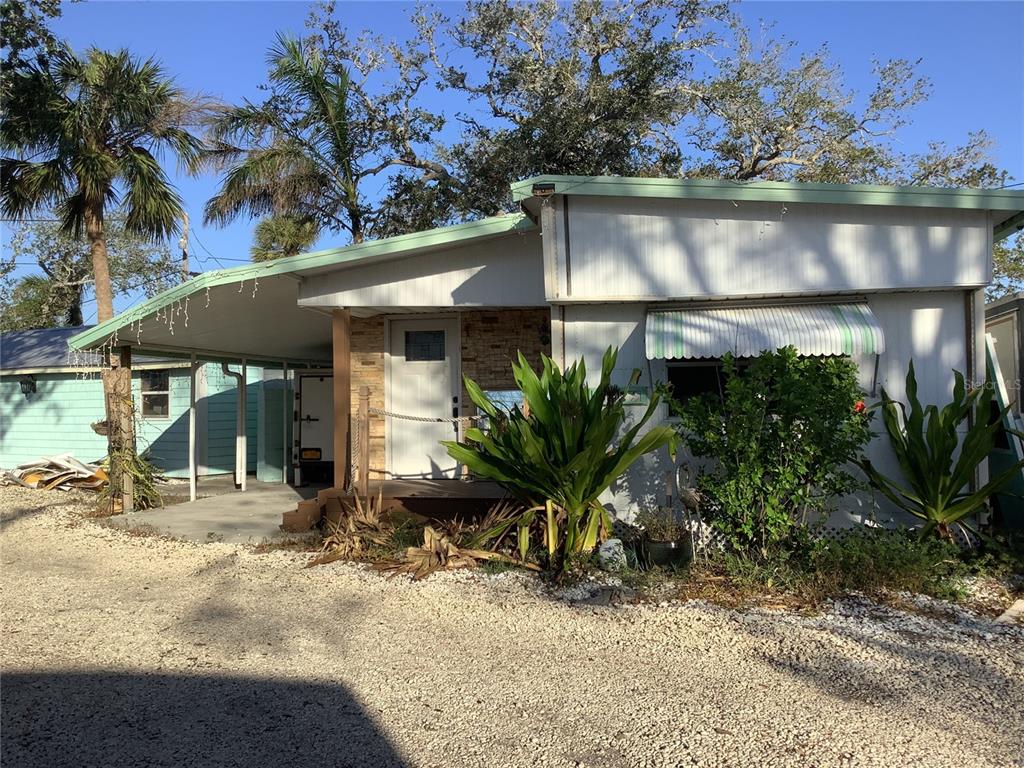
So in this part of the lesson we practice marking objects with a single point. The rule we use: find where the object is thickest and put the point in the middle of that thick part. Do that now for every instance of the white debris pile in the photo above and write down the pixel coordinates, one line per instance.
(63, 472)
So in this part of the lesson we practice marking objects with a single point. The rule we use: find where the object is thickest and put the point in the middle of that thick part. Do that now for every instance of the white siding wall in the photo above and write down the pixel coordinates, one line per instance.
(505, 271)
(928, 327)
(630, 249)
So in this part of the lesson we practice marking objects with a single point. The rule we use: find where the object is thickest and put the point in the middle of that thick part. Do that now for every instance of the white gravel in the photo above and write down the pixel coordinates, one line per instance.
(121, 651)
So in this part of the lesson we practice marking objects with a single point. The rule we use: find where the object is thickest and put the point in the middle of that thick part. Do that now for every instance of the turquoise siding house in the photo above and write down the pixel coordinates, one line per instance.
(47, 405)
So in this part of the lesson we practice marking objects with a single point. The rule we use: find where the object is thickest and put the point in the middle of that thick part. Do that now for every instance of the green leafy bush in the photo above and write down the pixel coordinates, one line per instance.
(879, 560)
(778, 440)
(872, 562)
(560, 453)
(936, 475)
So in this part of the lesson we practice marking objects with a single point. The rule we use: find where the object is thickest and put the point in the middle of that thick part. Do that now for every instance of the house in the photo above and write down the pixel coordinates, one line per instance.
(49, 397)
(673, 272)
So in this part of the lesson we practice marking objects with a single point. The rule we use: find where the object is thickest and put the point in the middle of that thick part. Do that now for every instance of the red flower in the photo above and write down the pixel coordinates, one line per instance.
(859, 407)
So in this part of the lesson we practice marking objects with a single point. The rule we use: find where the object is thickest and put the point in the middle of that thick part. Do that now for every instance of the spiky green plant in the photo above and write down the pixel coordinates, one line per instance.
(936, 479)
(560, 452)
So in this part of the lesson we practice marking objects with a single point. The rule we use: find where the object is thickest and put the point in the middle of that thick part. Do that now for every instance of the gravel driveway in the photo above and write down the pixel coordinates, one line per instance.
(121, 651)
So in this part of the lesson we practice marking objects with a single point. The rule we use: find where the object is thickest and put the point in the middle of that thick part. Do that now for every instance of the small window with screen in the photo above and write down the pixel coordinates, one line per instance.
(423, 346)
(700, 377)
(690, 380)
(156, 394)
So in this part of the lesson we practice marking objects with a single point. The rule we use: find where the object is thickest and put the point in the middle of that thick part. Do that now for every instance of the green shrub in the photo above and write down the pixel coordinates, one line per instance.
(877, 561)
(872, 562)
(778, 440)
(561, 454)
(936, 464)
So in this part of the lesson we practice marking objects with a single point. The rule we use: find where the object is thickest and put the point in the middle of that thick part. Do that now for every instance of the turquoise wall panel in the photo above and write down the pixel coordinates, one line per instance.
(221, 394)
(56, 419)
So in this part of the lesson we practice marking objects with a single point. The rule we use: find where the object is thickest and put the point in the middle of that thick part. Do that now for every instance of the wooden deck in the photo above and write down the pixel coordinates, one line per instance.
(441, 498)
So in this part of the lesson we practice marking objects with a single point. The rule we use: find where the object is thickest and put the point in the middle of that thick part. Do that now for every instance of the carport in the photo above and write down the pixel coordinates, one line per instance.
(251, 315)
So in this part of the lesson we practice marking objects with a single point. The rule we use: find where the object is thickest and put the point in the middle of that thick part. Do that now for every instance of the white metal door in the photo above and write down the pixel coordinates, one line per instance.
(423, 382)
(316, 417)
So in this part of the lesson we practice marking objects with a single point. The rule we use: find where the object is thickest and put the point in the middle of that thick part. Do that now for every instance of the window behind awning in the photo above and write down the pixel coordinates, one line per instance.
(814, 329)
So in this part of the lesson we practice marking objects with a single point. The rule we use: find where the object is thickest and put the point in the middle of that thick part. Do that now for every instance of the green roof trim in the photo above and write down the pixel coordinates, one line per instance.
(776, 191)
(1011, 226)
(357, 252)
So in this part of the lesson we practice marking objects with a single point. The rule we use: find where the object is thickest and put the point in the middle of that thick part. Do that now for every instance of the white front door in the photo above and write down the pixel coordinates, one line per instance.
(423, 382)
(316, 417)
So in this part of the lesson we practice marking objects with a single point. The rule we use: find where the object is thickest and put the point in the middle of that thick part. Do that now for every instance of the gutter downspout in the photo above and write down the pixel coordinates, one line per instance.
(241, 447)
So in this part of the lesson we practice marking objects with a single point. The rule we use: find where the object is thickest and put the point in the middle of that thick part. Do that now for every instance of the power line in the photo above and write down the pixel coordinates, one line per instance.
(215, 258)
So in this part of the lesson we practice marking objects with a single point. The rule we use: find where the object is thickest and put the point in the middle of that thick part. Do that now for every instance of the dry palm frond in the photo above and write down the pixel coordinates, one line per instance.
(491, 530)
(486, 533)
(361, 526)
(439, 553)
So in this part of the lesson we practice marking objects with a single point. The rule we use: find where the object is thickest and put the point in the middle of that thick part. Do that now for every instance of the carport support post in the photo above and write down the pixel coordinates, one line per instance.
(243, 417)
(341, 331)
(285, 409)
(120, 408)
(192, 429)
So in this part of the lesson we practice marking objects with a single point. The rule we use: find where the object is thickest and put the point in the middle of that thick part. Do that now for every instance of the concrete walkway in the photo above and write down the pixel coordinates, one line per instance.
(227, 515)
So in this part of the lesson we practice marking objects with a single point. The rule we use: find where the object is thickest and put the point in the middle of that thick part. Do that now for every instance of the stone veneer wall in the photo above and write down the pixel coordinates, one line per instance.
(490, 341)
(368, 371)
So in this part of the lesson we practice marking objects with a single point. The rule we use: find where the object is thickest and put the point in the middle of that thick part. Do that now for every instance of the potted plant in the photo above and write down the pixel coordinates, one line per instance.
(666, 540)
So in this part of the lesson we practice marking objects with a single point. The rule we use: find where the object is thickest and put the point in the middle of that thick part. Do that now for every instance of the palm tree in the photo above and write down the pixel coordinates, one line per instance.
(295, 155)
(278, 237)
(81, 135)
(84, 135)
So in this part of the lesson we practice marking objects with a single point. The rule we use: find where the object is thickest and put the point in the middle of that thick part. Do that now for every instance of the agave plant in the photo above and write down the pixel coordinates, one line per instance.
(936, 479)
(440, 552)
(362, 526)
(560, 452)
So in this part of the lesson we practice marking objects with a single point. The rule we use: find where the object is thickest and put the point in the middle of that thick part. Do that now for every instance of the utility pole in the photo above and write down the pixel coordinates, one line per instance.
(183, 244)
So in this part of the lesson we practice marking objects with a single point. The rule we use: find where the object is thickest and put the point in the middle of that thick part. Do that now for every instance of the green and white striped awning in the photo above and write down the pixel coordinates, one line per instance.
(814, 329)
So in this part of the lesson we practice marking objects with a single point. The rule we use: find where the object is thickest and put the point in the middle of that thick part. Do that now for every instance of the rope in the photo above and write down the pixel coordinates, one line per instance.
(357, 429)
(435, 419)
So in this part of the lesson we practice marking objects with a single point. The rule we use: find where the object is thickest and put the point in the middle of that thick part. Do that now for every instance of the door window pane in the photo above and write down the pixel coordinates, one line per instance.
(424, 345)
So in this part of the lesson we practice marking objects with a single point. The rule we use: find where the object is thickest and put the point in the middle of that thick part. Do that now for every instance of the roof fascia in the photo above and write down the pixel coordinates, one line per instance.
(776, 191)
(359, 252)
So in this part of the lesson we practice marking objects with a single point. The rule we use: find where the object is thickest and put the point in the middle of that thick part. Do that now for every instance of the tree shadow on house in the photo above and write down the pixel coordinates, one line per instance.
(55, 719)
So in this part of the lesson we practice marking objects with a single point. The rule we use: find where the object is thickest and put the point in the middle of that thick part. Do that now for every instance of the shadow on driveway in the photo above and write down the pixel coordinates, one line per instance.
(118, 719)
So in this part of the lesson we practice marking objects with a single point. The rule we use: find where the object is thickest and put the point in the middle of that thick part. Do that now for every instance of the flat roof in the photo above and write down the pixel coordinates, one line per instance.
(1008, 204)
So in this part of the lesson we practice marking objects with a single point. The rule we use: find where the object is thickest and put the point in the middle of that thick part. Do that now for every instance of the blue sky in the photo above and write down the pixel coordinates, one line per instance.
(970, 50)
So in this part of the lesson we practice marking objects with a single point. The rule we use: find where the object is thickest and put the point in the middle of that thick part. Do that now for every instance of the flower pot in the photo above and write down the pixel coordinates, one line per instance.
(668, 554)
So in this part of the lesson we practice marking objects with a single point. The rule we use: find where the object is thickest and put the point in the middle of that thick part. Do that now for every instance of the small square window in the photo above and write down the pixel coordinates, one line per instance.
(700, 377)
(156, 396)
(424, 345)
(691, 380)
